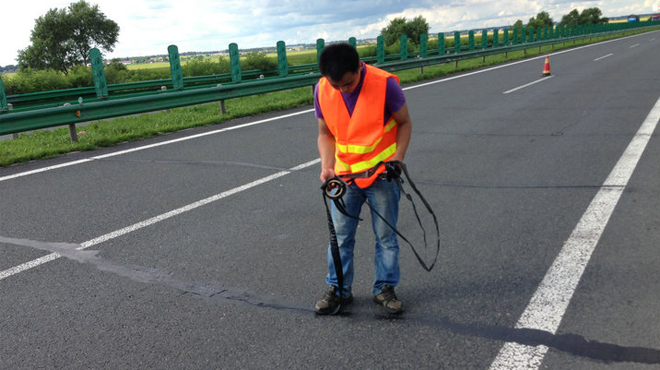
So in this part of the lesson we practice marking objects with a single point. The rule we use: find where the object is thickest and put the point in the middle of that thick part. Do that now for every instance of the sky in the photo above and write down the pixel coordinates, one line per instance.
(148, 27)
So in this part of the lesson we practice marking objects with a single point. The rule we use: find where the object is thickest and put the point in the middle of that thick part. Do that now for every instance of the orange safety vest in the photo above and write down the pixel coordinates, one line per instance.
(361, 139)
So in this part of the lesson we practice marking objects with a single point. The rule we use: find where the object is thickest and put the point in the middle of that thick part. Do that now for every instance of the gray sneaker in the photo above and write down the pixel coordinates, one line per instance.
(388, 299)
(330, 304)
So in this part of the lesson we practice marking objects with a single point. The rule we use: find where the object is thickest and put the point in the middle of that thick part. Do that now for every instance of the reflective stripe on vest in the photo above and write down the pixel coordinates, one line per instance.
(361, 139)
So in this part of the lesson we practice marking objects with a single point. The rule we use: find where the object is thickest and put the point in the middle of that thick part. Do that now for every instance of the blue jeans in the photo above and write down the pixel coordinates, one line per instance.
(384, 197)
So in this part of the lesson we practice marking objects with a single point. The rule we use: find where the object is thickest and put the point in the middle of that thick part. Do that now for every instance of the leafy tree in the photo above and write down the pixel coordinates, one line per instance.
(400, 26)
(571, 19)
(541, 20)
(518, 24)
(592, 16)
(588, 16)
(62, 38)
(392, 33)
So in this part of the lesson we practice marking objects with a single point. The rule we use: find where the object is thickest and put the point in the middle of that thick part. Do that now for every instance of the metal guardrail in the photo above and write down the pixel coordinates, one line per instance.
(71, 106)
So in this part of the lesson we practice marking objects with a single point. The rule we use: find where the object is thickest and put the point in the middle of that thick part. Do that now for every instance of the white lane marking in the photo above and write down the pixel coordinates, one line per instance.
(151, 221)
(603, 57)
(113, 154)
(527, 85)
(516, 63)
(634, 46)
(548, 304)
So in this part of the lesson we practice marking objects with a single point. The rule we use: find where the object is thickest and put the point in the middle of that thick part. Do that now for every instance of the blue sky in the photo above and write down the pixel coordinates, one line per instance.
(148, 27)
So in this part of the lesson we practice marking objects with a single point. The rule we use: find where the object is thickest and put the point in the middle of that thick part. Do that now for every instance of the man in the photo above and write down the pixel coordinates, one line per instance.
(363, 120)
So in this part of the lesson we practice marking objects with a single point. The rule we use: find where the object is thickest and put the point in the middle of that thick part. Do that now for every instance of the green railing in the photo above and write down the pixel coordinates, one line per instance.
(25, 112)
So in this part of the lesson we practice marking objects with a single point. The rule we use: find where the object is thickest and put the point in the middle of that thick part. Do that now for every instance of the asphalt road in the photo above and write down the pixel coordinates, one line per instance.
(206, 249)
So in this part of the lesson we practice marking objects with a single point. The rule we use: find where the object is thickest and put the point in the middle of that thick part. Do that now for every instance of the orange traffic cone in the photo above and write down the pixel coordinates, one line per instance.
(546, 67)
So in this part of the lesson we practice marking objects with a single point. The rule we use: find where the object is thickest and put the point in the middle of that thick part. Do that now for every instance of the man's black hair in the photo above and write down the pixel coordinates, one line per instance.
(337, 59)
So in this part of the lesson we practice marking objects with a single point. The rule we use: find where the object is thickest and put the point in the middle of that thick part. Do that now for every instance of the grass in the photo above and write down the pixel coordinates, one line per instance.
(155, 65)
(51, 143)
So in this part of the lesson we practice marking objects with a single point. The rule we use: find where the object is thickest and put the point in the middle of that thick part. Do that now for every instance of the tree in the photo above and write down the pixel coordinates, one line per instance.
(400, 26)
(571, 19)
(588, 16)
(592, 16)
(392, 33)
(542, 20)
(62, 38)
(518, 24)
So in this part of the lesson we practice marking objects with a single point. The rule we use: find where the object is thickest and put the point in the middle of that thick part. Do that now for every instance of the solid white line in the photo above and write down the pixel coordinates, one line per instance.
(154, 220)
(548, 304)
(113, 154)
(529, 84)
(603, 57)
(28, 265)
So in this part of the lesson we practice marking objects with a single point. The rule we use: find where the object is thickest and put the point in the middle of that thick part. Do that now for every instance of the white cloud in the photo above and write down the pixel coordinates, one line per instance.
(147, 27)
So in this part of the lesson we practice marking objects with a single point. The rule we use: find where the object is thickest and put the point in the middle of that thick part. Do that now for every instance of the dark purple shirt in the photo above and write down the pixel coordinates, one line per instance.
(394, 98)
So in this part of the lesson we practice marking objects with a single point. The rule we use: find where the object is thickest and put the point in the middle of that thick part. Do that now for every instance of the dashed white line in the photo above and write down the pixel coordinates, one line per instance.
(603, 57)
(154, 220)
(548, 304)
(528, 85)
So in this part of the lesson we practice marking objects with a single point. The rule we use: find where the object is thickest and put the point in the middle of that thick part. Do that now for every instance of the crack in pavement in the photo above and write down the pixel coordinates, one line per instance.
(214, 292)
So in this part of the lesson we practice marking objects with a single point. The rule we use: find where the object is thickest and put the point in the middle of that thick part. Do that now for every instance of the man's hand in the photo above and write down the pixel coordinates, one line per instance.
(393, 170)
(327, 174)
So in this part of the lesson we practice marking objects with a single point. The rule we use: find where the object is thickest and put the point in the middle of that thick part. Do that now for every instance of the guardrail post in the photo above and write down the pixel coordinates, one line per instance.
(423, 45)
(100, 83)
(441, 43)
(282, 64)
(423, 49)
(457, 46)
(484, 39)
(72, 126)
(175, 67)
(484, 43)
(353, 42)
(235, 62)
(320, 44)
(380, 49)
(404, 47)
(515, 36)
(3, 98)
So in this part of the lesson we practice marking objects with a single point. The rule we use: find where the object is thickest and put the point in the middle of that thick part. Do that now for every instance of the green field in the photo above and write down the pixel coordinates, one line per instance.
(155, 65)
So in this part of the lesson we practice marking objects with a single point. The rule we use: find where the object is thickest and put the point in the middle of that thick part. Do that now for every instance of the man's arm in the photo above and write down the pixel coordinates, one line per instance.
(404, 131)
(326, 143)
